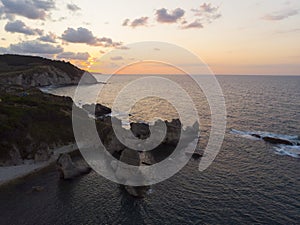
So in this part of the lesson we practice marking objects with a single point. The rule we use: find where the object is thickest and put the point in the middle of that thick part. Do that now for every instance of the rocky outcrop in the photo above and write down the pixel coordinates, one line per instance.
(136, 158)
(272, 138)
(97, 110)
(130, 157)
(275, 140)
(29, 71)
(194, 155)
(140, 130)
(68, 169)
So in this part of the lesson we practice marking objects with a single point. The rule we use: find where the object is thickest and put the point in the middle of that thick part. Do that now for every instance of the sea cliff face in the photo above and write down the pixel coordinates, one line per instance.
(48, 76)
(29, 71)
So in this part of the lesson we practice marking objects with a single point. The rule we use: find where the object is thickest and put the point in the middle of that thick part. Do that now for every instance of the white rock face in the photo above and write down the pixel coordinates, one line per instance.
(48, 76)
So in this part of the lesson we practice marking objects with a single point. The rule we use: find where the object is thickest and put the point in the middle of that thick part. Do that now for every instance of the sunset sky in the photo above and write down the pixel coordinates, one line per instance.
(232, 36)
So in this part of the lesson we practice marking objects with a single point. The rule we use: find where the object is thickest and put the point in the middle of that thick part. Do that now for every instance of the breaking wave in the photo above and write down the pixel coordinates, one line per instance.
(288, 145)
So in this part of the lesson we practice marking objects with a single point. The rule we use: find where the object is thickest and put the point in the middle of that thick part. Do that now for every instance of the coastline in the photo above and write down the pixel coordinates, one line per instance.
(10, 174)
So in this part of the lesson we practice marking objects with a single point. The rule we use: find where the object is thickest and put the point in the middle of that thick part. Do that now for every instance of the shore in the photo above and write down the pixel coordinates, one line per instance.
(11, 173)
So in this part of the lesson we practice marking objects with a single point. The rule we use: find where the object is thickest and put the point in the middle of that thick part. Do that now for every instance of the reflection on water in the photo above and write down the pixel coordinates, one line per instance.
(247, 183)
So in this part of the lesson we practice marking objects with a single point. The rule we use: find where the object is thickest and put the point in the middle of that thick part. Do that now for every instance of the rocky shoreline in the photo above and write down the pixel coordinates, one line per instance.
(35, 124)
(9, 174)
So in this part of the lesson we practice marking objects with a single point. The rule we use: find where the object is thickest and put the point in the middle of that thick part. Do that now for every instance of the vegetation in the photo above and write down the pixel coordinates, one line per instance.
(30, 117)
(15, 64)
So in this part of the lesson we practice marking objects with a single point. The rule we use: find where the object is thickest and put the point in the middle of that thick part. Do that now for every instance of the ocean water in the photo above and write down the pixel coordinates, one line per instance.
(250, 181)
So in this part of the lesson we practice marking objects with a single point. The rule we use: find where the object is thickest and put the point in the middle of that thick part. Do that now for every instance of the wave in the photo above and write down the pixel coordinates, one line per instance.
(293, 151)
(288, 145)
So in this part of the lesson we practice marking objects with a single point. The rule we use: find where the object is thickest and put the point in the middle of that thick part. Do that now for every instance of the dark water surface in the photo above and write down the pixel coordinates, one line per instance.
(248, 182)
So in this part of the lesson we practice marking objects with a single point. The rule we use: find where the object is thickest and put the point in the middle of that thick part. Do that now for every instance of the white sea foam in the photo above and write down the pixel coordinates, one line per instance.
(280, 149)
(265, 134)
(293, 151)
(245, 134)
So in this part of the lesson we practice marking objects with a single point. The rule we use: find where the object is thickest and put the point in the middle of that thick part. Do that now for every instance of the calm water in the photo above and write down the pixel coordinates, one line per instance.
(249, 181)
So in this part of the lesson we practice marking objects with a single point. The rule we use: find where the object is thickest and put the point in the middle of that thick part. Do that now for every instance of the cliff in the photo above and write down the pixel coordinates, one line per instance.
(33, 71)
(31, 124)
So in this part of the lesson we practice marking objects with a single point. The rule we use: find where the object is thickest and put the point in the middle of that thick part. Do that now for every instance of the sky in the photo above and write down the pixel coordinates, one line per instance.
(255, 37)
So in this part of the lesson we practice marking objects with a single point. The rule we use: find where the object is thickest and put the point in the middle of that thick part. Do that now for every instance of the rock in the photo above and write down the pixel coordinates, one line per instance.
(130, 157)
(275, 140)
(138, 192)
(15, 156)
(140, 130)
(68, 169)
(98, 110)
(35, 189)
(38, 188)
(256, 135)
(147, 158)
(173, 132)
(43, 153)
(194, 155)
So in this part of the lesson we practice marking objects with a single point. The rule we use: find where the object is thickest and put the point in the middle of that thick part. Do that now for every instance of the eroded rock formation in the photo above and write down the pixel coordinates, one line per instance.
(68, 169)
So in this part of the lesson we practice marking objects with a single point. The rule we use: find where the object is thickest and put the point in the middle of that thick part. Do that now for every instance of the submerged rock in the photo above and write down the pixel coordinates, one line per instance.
(275, 140)
(68, 169)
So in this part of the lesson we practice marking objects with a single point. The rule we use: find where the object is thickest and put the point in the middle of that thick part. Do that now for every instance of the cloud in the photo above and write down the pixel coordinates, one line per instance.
(281, 15)
(136, 23)
(73, 7)
(35, 47)
(195, 24)
(139, 22)
(205, 8)
(126, 22)
(31, 9)
(116, 58)
(50, 37)
(163, 16)
(82, 56)
(83, 35)
(206, 13)
(20, 27)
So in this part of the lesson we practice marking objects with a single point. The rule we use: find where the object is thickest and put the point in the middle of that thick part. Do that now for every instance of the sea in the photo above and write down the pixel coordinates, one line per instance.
(249, 182)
